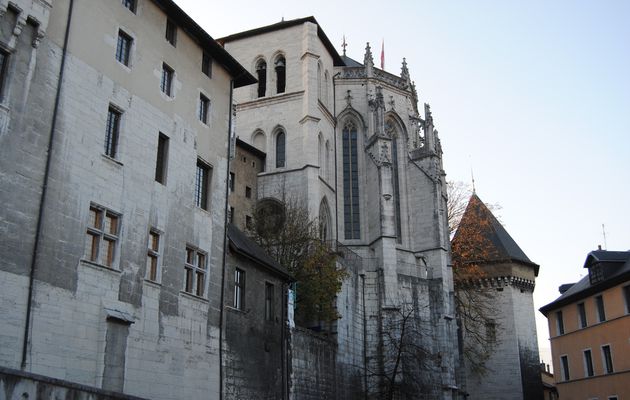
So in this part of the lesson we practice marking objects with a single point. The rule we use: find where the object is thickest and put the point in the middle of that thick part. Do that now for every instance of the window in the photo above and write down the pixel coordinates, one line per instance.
(130, 5)
(248, 192)
(280, 67)
(112, 131)
(582, 315)
(351, 217)
(396, 185)
(4, 60)
(626, 296)
(202, 184)
(248, 222)
(601, 312)
(261, 75)
(588, 363)
(204, 108)
(232, 181)
(239, 288)
(564, 362)
(607, 359)
(269, 289)
(559, 323)
(319, 81)
(102, 236)
(123, 48)
(280, 150)
(162, 159)
(206, 64)
(153, 256)
(612, 397)
(231, 216)
(167, 80)
(195, 268)
(171, 32)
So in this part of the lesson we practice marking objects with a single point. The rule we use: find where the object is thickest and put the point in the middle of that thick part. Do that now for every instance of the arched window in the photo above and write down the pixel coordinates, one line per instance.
(280, 149)
(325, 228)
(319, 81)
(261, 75)
(328, 168)
(320, 154)
(281, 74)
(326, 78)
(351, 215)
(390, 127)
(259, 140)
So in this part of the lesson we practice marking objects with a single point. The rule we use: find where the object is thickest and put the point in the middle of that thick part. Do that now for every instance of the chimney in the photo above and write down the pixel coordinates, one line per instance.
(599, 247)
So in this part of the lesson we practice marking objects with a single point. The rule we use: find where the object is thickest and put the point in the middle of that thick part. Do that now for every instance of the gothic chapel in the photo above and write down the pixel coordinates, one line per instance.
(348, 139)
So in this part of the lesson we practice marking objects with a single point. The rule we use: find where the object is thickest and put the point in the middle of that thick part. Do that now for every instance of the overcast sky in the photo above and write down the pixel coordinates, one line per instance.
(533, 95)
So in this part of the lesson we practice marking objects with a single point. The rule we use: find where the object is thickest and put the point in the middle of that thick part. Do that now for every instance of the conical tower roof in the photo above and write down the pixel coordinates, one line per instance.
(484, 239)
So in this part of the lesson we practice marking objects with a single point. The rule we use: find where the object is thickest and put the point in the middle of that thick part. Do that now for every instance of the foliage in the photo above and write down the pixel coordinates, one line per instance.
(309, 260)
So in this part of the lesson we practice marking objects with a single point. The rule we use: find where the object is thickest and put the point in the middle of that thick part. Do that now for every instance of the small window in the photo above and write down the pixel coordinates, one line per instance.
(588, 363)
(582, 315)
(239, 289)
(231, 216)
(261, 74)
(559, 323)
(171, 32)
(206, 64)
(130, 5)
(564, 362)
(161, 161)
(280, 66)
(626, 296)
(280, 150)
(195, 271)
(248, 192)
(607, 359)
(166, 84)
(102, 236)
(232, 181)
(112, 131)
(204, 108)
(123, 48)
(269, 296)
(153, 256)
(4, 60)
(202, 184)
(601, 311)
(249, 224)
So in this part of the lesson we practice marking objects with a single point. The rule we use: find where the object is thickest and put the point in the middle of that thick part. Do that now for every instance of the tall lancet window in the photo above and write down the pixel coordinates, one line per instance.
(280, 149)
(281, 74)
(351, 216)
(390, 128)
(261, 74)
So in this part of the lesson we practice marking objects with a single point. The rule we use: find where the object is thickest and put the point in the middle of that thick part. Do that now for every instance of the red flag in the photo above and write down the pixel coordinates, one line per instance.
(383, 55)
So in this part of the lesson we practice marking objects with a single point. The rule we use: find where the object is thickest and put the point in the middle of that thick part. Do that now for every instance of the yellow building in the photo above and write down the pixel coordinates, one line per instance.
(589, 325)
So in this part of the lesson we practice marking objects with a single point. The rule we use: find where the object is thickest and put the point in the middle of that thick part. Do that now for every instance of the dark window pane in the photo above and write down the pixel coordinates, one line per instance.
(161, 161)
(111, 132)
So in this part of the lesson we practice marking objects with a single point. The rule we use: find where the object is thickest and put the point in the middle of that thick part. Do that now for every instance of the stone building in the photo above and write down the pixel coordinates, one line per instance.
(505, 278)
(247, 163)
(114, 128)
(348, 140)
(589, 325)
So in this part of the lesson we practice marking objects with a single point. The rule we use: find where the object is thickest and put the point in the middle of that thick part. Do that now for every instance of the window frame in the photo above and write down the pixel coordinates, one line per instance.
(280, 70)
(582, 317)
(248, 192)
(203, 173)
(170, 33)
(269, 301)
(626, 295)
(232, 182)
(154, 257)
(589, 370)
(281, 149)
(161, 161)
(193, 271)
(203, 113)
(99, 236)
(123, 53)
(260, 68)
(112, 131)
(601, 308)
(350, 143)
(131, 5)
(559, 323)
(206, 64)
(4, 71)
(238, 301)
(167, 78)
(565, 372)
(607, 359)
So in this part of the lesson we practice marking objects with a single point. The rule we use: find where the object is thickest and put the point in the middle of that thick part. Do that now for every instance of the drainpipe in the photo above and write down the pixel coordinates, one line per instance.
(284, 359)
(365, 379)
(42, 199)
(225, 242)
(335, 144)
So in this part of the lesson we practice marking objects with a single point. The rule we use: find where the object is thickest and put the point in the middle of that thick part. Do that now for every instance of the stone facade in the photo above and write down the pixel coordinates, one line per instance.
(386, 205)
(248, 162)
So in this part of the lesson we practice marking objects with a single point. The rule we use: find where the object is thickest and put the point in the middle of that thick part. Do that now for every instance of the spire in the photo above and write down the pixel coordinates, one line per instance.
(404, 72)
(472, 175)
(344, 45)
(383, 55)
(368, 60)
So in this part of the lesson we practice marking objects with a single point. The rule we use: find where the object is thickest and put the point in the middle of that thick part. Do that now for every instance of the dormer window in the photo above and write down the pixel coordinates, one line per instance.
(595, 274)
(280, 67)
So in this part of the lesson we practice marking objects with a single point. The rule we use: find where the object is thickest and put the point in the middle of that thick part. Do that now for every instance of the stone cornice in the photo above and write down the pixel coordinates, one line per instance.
(498, 282)
(269, 100)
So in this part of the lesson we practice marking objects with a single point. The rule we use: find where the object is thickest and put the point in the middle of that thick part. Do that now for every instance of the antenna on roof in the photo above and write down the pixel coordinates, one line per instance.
(604, 233)
(472, 176)
(344, 45)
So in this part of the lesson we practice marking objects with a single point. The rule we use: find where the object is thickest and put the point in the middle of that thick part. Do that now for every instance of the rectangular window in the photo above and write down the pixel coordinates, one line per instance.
(626, 296)
(601, 311)
(204, 108)
(112, 131)
(231, 216)
(269, 295)
(123, 48)
(249, 224)
(607, 359)
(206, 64)
(166, 84)
(248, 192)
(564, 362)
(232, 181)
(130, 5)
(559, 323)
(102, 236)
(239, 288)
(4, 60)
(161, 161)
(171, 32)
(582, 315)
(153, 256)
(195, 269)
(588, 363)
(202, 184)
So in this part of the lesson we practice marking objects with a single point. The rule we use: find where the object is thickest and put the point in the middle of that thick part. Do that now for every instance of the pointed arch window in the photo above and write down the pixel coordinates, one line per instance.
(324, 221)
(351, 213)
(280, 149)
(261, 75)
(326, 79)
(319, 81)
(281, 74)
(390, 128)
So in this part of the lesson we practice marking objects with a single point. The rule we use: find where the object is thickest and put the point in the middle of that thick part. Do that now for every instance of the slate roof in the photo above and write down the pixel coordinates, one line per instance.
(619, 260)
(351, 62)
(504, 248)
(246, 247)
(240, 75)
(337, 61)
